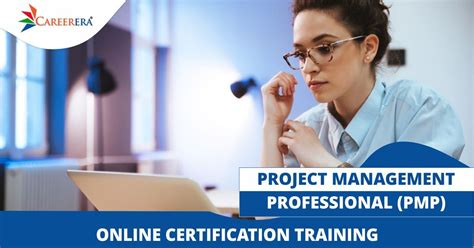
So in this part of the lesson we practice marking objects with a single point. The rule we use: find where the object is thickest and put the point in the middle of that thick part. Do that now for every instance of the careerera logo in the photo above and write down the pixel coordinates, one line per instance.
(32, 20)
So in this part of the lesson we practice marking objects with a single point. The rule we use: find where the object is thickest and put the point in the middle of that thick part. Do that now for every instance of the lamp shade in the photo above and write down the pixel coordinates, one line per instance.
(241, 87)
(99, 81)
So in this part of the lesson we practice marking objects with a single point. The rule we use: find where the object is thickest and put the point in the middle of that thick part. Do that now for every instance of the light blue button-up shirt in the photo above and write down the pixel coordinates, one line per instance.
(404, 111)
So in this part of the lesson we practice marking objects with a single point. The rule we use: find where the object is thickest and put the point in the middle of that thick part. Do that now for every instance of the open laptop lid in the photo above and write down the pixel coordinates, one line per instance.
(116, 191)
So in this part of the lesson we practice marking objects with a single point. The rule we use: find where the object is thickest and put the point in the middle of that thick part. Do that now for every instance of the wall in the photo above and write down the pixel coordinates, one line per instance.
(75, 103)
(216, 42)
(161, 8)
(113, 45)
(122, 18)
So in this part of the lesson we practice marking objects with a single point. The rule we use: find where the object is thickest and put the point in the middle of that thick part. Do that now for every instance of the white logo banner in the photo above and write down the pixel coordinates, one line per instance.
(56, 24)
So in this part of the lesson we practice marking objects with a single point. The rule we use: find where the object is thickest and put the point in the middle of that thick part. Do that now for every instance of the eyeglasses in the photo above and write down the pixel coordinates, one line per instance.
(320, 55)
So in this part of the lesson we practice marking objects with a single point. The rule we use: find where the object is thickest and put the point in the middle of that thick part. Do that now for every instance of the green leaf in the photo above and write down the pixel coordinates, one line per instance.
(27, 20)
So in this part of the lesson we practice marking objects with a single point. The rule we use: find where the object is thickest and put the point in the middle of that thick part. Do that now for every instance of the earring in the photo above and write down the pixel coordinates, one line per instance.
(367, 59)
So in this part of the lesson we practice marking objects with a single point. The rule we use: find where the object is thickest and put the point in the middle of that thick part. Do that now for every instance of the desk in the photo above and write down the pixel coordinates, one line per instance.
(226, 201)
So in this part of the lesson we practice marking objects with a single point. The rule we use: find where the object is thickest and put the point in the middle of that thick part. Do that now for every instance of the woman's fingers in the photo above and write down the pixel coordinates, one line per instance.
(293, 125)
(291, 82)
(272, 86)
(285, 141)
(289, 134)
(282, 147)
(286, 136)
(286, 89)
(285, 85)
(282, 80)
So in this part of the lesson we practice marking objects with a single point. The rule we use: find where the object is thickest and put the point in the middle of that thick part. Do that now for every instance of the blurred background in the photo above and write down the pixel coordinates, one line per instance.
(171, 110)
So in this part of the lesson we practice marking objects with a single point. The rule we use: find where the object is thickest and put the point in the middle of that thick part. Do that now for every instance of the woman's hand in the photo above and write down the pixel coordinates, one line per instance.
(304, 143)
(277, 107)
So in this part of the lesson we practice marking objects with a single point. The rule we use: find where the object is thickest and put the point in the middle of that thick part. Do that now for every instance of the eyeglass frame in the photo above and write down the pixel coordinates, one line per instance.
(331, 45)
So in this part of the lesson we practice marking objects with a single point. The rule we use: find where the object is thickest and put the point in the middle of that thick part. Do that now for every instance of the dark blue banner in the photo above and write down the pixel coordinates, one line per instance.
(356, 204)
(200, 229)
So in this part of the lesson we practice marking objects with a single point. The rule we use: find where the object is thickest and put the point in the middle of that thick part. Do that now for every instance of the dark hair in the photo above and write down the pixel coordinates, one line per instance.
(361, 17)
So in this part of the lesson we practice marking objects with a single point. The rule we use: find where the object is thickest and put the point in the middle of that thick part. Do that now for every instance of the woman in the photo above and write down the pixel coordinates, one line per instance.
(338, 45)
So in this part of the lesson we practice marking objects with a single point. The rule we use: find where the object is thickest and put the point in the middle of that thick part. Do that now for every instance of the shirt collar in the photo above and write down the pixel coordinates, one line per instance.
(335, 129)
(360, 124)
(365, 117)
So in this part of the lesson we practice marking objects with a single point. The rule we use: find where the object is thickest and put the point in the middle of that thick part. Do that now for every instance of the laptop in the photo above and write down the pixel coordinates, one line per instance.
(118, 191)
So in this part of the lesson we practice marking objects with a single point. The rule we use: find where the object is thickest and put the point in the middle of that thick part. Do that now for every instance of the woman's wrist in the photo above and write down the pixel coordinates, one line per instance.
(271, 155)
(272, 124)
(330, 162)
(333, 163)
(325, 161)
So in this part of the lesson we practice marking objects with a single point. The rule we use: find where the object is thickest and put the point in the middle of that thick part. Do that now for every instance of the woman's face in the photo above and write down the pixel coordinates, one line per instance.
(337, 78)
